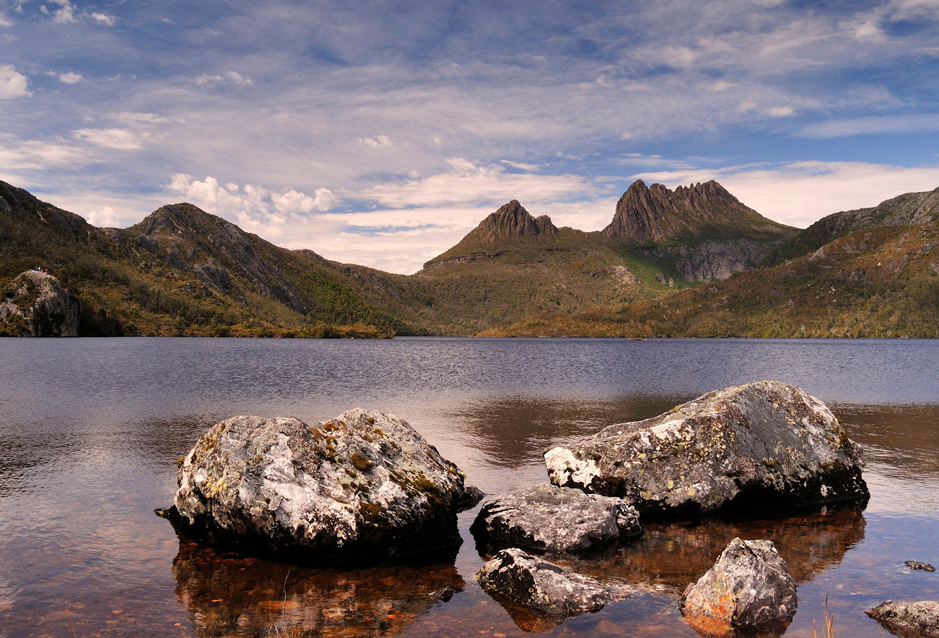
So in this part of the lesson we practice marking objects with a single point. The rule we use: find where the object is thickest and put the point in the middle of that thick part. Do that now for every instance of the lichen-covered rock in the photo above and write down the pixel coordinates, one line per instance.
(557, 520)
(748, 590)
(754, 447)
(543, 587)
(36, 304)
(908, 619)
(363, 487)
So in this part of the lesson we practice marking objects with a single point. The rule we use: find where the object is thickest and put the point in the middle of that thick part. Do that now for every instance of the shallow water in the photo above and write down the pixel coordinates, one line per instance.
(90, 430)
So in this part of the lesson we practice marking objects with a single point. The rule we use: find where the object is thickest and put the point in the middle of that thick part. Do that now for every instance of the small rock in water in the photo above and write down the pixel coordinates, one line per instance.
(749, 589)
(363, 487)
(908, 619)
(557, 520)
(916, 565)
(754, 447)
(543, 587)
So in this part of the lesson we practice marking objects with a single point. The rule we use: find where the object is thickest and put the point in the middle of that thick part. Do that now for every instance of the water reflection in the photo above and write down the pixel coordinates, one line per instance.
(508, 429)
(228, 594)
(671, 555)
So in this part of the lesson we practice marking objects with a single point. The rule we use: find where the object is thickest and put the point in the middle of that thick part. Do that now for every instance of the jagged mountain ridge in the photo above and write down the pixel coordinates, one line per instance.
(658, 215)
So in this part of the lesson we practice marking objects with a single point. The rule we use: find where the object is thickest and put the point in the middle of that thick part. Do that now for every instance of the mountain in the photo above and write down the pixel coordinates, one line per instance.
(182, 271)
(693, 213)
(702, 232)
(906, 210)
(867, 273)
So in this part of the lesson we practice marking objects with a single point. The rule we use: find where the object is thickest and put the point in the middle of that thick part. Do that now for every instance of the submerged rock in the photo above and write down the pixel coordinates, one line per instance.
(543, 587)
(918, 566)
(36, 304)
(363, 487)
(760, 446)
(749, 590)
(908, 619)
(558, 520)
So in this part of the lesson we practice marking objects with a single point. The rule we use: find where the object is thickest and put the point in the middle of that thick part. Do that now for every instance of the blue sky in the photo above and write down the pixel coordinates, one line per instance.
(380, 133)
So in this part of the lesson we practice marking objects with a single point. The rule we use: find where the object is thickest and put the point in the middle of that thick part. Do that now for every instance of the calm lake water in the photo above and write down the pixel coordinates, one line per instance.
(90, 430)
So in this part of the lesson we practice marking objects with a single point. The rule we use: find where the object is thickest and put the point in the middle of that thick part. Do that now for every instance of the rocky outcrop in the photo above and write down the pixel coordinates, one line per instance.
(363, 487)
(749, 589)
(908, 619)
(656, 214)
(512, 220)
(755, 447)
(916, 565)
(36, 304)
(543, 587)
(711, 260)
(555, 520)
(908, 209)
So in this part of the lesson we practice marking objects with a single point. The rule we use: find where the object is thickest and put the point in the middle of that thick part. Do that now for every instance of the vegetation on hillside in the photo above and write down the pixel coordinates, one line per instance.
(867, 273)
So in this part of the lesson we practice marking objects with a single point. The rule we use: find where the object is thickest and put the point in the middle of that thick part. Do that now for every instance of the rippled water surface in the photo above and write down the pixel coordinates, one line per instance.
(90, 431)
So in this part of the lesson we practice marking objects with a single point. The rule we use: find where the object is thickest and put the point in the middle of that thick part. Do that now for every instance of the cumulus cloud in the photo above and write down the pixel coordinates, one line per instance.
(70, 78)
(231, 77)
(254, 207)
(12, 83)
(64, 12)
(114, 138)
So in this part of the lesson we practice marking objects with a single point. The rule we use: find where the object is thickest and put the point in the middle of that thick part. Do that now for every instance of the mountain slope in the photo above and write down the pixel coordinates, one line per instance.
(881, 281)
(905, 210)
(180, 271)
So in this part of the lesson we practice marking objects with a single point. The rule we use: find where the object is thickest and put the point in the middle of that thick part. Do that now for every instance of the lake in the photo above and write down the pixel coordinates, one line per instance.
(90, 431)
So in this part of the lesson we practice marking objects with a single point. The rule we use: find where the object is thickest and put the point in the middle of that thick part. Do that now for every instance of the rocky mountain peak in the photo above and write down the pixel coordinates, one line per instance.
(512, 220)
(658, 214)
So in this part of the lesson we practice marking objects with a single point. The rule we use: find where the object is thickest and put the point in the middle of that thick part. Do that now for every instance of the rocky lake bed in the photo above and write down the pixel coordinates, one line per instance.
(89, 555)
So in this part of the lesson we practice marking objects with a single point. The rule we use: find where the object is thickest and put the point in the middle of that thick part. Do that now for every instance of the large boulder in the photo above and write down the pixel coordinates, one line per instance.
(363, 487)
(36, 304)
(749, 590)
(543, 587)
(754, 447)
(908, 619)
(556, 520)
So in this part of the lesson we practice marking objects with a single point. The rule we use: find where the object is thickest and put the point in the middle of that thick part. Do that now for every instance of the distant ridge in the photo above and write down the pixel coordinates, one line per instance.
(706, 210)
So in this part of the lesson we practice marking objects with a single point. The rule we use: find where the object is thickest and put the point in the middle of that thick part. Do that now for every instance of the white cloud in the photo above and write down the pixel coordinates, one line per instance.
(379, 141)
(520, 165)
(231, 77)
(800, 193)
(66, 13)
(4, 21)
(70, 78)
(781, 111)
(893, 124)
(24, 155)
(103, 18)
(131, 118)
(115, 138)
(12, 83)
(253, 207)
(482, 184)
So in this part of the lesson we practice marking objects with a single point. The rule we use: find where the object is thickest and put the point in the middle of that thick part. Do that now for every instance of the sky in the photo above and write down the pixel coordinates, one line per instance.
(380, 133)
